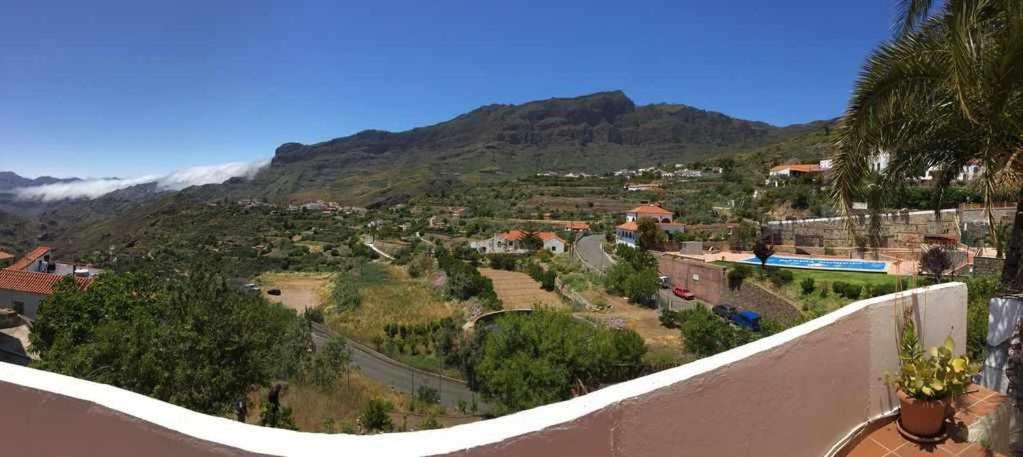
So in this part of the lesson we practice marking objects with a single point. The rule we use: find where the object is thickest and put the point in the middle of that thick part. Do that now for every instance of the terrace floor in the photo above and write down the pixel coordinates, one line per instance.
(882, 438)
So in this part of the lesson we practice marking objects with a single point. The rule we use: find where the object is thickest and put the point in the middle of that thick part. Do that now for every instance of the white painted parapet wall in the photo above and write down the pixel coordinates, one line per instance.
(794, 393)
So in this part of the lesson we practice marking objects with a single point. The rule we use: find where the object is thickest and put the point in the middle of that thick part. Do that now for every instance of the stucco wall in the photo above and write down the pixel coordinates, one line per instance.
(31, 301)
(703, 279)
(795, 393)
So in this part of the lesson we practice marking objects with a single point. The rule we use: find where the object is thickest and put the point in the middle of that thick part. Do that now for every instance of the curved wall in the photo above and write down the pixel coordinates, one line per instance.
(795, 393)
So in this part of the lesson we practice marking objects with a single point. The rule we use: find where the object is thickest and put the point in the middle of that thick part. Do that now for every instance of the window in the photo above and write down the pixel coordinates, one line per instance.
(19, 307)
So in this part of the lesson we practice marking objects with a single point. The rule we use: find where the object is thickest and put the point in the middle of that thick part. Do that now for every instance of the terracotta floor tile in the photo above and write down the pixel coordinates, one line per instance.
(867, 448)
(956, 446)
(916, 450)
(888, 436)
(976, 451)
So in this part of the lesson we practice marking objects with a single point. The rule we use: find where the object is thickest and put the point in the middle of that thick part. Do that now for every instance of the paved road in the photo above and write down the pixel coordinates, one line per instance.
(402, 378)
(588, 248)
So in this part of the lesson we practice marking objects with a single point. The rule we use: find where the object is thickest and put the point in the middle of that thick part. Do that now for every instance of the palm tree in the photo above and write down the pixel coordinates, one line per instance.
(946, 91)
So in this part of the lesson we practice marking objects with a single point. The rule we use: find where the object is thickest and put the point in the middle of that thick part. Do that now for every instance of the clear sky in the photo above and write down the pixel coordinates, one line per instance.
(130, 88)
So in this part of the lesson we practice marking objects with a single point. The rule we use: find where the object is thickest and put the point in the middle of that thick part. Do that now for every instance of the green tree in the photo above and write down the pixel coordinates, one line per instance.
(705, 334)
(947, 91)
(641, 286)
(523, 361)
(763, 251)
(649, 236)
(189, 340)
(328, 363)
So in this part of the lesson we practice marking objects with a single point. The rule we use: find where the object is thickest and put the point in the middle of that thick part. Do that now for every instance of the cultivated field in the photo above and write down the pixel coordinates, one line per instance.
(519, 291)
(298, 290)
(398, 299)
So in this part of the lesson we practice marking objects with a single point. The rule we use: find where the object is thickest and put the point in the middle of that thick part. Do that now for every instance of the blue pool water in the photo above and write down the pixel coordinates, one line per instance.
(820, 264)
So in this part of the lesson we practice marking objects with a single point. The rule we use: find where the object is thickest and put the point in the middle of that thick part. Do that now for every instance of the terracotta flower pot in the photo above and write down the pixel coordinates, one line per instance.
(923, 418)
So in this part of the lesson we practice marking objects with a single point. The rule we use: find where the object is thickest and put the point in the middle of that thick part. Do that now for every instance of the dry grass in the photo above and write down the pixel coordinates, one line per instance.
(399, 300)
(645, 321)
(519, 291)
(298, 290)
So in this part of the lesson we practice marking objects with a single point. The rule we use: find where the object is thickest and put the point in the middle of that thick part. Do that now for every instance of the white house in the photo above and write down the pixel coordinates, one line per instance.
(512, 242)
(627, 233)
(25, 283)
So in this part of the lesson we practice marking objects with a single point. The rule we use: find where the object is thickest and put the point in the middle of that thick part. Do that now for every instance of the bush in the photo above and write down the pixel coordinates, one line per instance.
(878, 290)
(779, 278)
(852, 291)
(313, 315)
(548, 281)
(427, 395)
(839, 287)
(504, 261)
(737, 275)
(669, 318)
(807, 284)
(374, 416)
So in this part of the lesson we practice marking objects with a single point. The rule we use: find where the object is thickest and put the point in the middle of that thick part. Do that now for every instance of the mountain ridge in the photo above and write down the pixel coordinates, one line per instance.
(594, 133)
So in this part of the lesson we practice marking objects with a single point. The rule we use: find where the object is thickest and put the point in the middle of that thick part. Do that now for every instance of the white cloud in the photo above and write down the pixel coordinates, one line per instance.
(93, 188)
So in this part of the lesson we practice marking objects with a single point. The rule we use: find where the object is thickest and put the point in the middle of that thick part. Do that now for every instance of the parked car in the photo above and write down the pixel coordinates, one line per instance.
(683, 293)
(274, 291)
(664, 281)
(747, 319)
(724, 311)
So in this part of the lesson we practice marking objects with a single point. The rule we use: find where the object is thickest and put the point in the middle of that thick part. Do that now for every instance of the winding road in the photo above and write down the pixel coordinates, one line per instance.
(400, 377)
(588, 248)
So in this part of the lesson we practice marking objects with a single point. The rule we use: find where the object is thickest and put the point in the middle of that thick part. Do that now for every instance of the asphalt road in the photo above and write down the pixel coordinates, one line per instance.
(400, 377)
(588, 248)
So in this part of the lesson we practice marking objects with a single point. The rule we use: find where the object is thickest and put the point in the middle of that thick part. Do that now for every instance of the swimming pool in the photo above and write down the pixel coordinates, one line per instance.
(821, 264)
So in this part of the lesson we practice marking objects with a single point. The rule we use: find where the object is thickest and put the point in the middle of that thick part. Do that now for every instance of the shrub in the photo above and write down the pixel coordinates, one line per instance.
(852, 291)
(786, 276)
(878, 290)
(313, 315)
(839, 287)
(737, 275)
(427, 395)
(808, 285)
(504, 261)
(374, 416)
(548, 281)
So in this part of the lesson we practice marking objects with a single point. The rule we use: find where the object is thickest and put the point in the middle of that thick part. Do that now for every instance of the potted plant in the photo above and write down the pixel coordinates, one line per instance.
(927, 382)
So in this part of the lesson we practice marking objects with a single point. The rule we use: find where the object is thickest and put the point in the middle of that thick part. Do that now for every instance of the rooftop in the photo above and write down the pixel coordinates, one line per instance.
(34, 283)
(650, 209)
(27, 260)
(800, 167)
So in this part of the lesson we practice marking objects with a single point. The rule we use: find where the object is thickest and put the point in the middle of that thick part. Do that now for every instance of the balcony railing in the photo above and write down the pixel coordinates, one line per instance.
(800, 392)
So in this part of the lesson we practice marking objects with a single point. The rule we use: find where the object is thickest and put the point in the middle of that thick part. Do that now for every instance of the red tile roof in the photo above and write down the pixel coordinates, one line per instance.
(548, 236)
(650, 209)
(513, 235)
(34, 283)
(800, 167)
(26, 261)
(629, 226)
(577, 226)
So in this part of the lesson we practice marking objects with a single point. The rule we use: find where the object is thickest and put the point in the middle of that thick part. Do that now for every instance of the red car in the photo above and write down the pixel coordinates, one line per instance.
(683, 293)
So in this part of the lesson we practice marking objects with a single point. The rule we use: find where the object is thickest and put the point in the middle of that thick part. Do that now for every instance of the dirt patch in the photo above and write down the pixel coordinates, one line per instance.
(519, 291)
(644, 321)
(298, 290)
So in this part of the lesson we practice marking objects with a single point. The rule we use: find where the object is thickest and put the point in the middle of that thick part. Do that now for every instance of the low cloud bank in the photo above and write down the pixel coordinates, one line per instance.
(94, 188)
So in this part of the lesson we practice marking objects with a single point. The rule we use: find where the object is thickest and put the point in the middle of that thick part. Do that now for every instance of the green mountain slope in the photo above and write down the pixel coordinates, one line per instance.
(594, 133)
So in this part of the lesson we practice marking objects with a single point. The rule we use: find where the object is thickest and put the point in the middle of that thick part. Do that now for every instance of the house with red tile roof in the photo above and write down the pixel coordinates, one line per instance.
(25, 283)
(36, 261)
(627, 233)
(513, 242)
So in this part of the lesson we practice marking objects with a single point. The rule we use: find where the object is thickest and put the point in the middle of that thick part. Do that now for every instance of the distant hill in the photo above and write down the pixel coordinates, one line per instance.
(11, 180)
(594, 133)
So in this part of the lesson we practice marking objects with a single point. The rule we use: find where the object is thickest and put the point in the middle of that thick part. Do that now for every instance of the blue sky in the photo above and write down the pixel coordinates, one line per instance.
(126, 88)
